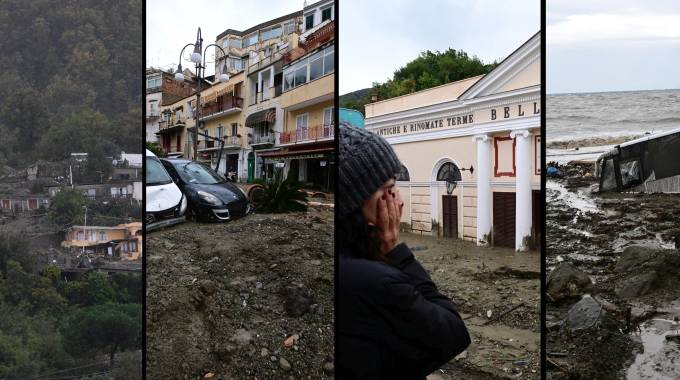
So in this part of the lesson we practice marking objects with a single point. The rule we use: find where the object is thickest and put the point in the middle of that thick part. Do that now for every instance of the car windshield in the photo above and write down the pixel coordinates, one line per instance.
(194, 172)
(155, 173)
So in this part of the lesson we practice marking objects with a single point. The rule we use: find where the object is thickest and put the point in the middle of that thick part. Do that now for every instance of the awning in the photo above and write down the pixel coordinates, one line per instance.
(304, 153)
(264, 116)
(215, 94)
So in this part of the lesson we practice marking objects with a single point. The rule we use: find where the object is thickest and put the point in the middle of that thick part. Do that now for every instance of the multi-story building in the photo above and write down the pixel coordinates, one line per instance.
(172, 127)
(124, 240)
(307, 140)
(162, 89)
(275, 111)
(258, 53)
(222, 118)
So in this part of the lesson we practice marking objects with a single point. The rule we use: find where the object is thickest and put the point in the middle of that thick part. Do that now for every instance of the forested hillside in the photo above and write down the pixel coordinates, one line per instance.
(71, 78)
(70, 81)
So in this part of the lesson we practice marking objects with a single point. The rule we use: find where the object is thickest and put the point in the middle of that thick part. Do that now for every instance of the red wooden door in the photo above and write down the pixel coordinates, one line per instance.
(504, 219)
(450, 213)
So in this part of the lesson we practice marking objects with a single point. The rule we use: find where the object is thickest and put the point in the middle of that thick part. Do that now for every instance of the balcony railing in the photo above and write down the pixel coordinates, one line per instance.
(310, 134)
(319, 37)
(215, 107)
(314, 40)
(172, 122)
(229, 141)
(153, 114)
(259, 139)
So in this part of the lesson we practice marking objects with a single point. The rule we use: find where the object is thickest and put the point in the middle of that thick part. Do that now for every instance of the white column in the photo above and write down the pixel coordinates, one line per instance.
(483, 170)
(523, 189)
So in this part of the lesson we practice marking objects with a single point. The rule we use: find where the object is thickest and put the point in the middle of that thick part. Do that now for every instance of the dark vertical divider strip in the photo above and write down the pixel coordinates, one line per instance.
(143, 131)
(543, 189)
(337, 168)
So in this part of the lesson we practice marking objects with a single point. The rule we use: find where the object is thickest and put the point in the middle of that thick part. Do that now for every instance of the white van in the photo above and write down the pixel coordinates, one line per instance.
(165, 203)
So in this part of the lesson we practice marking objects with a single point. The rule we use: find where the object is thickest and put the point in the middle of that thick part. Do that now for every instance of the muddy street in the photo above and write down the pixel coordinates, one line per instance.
(613, 270)
(496, 291)
(249, 299)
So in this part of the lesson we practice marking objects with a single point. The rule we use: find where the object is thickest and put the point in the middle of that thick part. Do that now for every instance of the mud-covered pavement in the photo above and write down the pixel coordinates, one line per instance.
(612, 281)
(483, 280)
(249, 299)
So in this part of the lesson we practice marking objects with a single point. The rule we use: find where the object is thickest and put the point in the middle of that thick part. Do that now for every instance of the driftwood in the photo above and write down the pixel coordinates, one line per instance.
(501, 315)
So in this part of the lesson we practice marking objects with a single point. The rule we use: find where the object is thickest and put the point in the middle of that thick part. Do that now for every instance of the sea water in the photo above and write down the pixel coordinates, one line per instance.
(610, 115)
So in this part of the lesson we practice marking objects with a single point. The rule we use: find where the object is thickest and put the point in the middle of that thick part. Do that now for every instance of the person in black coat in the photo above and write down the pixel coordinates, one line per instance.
(392, 322)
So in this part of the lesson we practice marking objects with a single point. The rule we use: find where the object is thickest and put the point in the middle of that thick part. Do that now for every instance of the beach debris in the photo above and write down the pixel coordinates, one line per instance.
(567, 281)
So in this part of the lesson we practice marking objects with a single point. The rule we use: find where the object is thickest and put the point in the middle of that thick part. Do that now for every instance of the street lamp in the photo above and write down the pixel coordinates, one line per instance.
(199, 61)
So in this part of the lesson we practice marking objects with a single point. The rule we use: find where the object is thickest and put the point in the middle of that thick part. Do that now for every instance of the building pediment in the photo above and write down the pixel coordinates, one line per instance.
(521, 69)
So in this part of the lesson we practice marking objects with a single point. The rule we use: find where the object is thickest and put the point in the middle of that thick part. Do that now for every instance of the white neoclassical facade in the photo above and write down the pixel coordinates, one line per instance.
(471, 153)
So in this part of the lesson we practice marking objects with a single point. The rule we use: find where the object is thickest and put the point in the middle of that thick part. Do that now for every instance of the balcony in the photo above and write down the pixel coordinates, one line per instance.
(171, 124)
(260, 97)
(259, 140)
(266, 61)
(153, 114)
(307, 135)
(313, 41)
(229, 142)
(229, 105)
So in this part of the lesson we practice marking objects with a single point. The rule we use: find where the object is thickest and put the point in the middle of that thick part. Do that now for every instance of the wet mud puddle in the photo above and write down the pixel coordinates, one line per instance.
(624, 243)
(661, 356)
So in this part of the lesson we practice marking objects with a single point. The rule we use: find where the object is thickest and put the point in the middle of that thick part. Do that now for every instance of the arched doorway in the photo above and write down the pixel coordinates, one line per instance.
(449, 173)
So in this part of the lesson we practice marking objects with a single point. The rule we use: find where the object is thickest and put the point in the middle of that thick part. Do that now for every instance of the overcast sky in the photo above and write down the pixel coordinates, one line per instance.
(171, 24)
(612, 45)
(378, 37)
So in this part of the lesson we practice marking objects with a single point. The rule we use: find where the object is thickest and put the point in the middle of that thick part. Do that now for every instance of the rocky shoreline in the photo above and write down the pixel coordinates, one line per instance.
(613, 270)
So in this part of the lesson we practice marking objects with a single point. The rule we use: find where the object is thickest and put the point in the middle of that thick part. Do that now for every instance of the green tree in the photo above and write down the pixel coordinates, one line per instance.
(67, 207)
(429, 69)
(106, 328)
(12, 246)
(99, 289)
(98, 167)
(155, 148)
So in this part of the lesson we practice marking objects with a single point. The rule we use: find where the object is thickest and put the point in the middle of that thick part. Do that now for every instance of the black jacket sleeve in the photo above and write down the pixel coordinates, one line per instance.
(425, 317)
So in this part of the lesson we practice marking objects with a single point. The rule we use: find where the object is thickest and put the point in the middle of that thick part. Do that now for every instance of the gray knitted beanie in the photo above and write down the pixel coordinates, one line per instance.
(367, 161)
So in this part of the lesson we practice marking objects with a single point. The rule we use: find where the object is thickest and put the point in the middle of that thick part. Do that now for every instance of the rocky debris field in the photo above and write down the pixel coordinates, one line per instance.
(497, 292)
(613, 269)
(248, 299)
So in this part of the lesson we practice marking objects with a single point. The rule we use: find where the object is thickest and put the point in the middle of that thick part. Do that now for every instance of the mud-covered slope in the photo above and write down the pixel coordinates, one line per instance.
(249, 299)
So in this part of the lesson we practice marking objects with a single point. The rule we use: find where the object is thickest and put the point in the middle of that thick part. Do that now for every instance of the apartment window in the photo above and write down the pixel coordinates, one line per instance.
(302, 121)
(289, 27)
(267, 51)
(329, 60)
(328, 116)
(234, 129)
(310, 68)
(153, 82)
(271, 33)
(225, 43)
(250, 40)
(300, 75)
(235, 43)
(309, 21)
(220, 131)
(80, 235)
(316, 66)
(235, 63)
(102, 236)
(326, 14)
